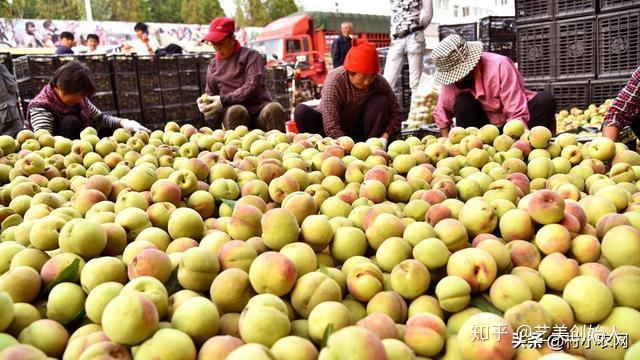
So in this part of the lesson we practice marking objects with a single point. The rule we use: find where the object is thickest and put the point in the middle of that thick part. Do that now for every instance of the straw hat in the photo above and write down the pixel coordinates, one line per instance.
(454, 58)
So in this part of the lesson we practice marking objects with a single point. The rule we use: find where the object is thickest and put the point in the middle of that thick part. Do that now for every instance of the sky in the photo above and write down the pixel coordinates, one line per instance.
(378, 7)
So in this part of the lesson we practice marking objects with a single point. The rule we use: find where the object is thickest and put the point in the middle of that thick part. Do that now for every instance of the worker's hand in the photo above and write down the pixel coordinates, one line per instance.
(611, 132)
(209, 105)
(133, 126)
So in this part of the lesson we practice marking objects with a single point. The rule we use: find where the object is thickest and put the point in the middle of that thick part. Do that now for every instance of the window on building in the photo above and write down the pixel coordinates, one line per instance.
(503, 2)
(445, 4)
(465, 11)
(456, 10)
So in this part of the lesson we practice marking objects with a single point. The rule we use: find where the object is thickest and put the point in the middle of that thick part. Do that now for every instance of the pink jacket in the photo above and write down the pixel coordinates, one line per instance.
(499, 88)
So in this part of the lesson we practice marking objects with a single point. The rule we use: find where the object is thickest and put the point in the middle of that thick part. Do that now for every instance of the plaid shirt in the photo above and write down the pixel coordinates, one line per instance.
(342, 104)
(626, 107)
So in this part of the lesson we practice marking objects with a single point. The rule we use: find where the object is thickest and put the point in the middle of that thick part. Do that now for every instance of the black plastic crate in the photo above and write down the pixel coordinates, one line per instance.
(203, 81)
(468, 31)
(151, 98)
(122, 63)
(203, 62)
(132, 114)
(104, 101)
(167, 64)
(29, 88)
(275, 73)
(190, 94)
(570, 94)
(497, 28)
(618, 44)
(7, 60)
(535, 50)
(169, 80)
(534, 10)
(146, 64)
(573, 8)
(575, 48)
(103, 82)
(537, 86)
(506, 48)
(189, 79)
(615, 5)
(125, 82)
(171, 97)
(190, 111)
(602, 90)
(153, 116)
(173, 112)
(187, 63)
(148, 81)
(128, 100)
(96, 63)
(277, 87)
(35, 66)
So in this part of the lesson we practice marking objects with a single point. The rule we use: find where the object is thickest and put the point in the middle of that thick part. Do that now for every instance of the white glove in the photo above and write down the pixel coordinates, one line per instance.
(209, 105)
(133, 126)
(384, 142)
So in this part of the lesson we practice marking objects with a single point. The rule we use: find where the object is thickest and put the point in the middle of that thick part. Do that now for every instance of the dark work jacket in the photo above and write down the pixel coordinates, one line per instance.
(339, 50)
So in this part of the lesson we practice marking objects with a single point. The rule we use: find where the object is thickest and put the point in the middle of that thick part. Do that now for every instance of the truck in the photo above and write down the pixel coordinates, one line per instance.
(305, 39)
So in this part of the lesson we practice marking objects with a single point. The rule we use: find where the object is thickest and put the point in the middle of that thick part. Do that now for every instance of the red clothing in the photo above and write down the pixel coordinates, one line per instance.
(625, 109)
(499, 88)
(342, 104)
(239, 80)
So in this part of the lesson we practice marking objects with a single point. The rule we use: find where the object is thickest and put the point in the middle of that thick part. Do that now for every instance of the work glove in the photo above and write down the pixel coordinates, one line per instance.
(384, 142)
(209, 105)
(133, 126)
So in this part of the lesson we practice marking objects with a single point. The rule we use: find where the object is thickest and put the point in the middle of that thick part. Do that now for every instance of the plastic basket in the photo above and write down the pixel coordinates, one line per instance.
(122, 63)
(151, 98)
(468, 31)
(29, 88)
(169, 80)
(538, 86)
(573, 8)
(96, 63)
(128, 100)
(133, 114)
(146, 64)
(575, 48)
(506, 48)
(173, 112)
(570, 94)
(602, 90)
(125, 82)
(171, 97)
(618, 44)
(189, 79)
(35, 66)
(187, 63)
(497, 28)
(104, 101)
(103, 82)
(153, 117)
(535, 50)
(533, 10)
(189, 95)
(148, 81)
(615, 5)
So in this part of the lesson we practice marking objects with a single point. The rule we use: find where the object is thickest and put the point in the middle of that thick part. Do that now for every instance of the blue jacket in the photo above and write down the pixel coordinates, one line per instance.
(339, 50)
(63, 50)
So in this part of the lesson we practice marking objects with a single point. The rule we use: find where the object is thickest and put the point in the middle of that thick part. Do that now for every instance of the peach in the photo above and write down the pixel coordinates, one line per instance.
(236, 254)
(553, 238)
(493, 344)
(410, 278)
(546, 207)
(294, 347)
(301, 204)
(453, 293)
(380, 324)
(353, 342)
(476, 266)
(585, 248)
(264, 310)
(390, 303)
(364, 280)
(436, 213)
(218, 347)
(623, 283)
(595, 270)
(529, 314)
(197, 317)
(426, 334)
(609, 221)
(198, 267)
(273, 273)
(47, 335)
(516, 224)
(589, 298)
(557, 270)
(149, 262)
(453, 233)
(383, 227)
(22, 283)
(312, 289)
(524, 253)
(508, 291)
(245, 222)
(621, 246)
(559, 309)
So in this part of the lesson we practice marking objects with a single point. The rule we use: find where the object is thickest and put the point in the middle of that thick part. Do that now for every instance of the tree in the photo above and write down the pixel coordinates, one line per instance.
(241, 19)
(168, 11)
(128, 10)
(277, 9)
(257, 13)
(101, 10)
(60, 9)
(200, 11)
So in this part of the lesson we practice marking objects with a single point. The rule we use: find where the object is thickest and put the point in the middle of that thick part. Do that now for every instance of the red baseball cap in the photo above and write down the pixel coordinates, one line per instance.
(219, 28)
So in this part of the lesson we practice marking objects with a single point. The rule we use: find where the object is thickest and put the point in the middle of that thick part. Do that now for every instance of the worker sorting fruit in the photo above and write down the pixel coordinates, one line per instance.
(63, 107)
(625, 110)
(236, 93)
(480, 88)
(356, 100)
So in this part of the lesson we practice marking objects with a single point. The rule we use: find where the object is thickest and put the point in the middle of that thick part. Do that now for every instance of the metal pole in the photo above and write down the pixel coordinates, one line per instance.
(87, 8)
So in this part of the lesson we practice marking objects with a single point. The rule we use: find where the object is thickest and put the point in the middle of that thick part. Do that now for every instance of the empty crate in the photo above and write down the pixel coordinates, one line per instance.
(573, 8)
(468, 31)
(615, 5)
(34, 66)
(575, 48)
(497, 28)
(618, 43)
(535, 50)
(534, 10)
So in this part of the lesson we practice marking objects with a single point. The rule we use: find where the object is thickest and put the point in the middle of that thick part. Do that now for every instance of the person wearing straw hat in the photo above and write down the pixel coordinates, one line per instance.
(479, 88)
(236, 93)
(356, 100)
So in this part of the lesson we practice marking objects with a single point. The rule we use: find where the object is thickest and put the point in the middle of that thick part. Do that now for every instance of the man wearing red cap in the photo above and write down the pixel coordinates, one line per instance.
(356, 100)
(236, 93)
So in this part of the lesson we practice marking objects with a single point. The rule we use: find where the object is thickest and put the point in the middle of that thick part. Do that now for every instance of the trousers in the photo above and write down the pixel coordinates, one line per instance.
(414, 46)
(542, 109)
(372, 122)
(270, 117)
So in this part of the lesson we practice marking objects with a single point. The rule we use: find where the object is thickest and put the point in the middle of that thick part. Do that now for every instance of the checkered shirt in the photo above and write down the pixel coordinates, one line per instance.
(626, 107)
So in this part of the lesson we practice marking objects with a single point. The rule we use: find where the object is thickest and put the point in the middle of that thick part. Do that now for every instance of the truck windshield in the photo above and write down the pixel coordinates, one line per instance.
(270, 48)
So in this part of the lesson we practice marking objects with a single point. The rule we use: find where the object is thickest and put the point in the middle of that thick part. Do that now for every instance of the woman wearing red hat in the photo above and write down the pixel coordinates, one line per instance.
(356, 100)
(236, 93)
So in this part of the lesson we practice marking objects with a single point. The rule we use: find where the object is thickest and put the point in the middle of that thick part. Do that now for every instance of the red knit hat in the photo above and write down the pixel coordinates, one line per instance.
(362, 58)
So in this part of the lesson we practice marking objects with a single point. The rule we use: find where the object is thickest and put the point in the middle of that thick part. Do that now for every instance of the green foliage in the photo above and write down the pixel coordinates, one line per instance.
(280, 8)
(257, 13)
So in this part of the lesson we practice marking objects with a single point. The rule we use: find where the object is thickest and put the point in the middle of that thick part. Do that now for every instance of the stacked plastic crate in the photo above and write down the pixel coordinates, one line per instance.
(277, 83)
(468, 31)
(170, 87)
(498, 35)
(150, 91)
(189, 89)
(104, 98)
(32, 73)
(125, 86)
(583, 53)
